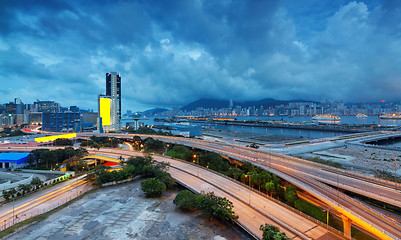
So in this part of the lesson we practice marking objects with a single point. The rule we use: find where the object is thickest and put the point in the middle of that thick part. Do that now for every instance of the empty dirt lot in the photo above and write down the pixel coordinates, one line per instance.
(122, 212)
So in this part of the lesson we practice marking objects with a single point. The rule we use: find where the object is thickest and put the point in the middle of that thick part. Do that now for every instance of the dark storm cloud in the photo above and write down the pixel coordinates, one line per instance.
(173, 52)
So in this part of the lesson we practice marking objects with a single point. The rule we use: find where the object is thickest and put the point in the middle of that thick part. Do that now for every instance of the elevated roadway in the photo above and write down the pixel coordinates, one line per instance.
(307, 176)
(40, 202)
(252, 208)
(103, 158)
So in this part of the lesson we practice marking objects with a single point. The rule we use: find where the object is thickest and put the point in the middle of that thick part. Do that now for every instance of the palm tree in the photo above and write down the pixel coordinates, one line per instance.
(270, 187)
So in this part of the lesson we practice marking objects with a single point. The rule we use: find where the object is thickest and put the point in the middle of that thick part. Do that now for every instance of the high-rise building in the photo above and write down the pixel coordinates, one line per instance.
(113, 89)
(47, 106)
(61, 121)
(104, 110)
(11, 108)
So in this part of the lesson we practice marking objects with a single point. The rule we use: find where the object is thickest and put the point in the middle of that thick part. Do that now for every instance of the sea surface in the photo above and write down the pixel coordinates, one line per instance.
(374, 120)
(344, 120)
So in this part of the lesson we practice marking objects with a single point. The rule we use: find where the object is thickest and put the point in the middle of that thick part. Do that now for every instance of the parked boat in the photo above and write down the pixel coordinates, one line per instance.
(361, 115)
(395, 116)
(325, 117)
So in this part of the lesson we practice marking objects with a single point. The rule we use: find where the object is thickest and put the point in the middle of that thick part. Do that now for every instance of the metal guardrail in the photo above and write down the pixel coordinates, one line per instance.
(282, 204)
(270, 198)
(251, 233)
(280, 156)
(263, 195)
(332, 169)
(240, 158)
(366, 208)
(296, 232)
(346, 173)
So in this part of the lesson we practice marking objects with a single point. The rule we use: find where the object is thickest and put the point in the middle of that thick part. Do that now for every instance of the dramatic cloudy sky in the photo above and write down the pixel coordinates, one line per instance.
(173, 52)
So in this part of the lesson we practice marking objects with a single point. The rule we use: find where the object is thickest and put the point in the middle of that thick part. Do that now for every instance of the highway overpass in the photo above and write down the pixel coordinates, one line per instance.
(253, 208)
(307, 176)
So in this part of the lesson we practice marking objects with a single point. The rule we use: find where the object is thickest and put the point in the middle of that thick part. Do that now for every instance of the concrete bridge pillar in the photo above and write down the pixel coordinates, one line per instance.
(347, 226)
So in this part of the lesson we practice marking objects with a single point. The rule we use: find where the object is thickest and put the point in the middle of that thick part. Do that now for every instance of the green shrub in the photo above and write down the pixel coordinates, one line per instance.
(153, 187)
(186, 200)
(271, 232)
(213, 206)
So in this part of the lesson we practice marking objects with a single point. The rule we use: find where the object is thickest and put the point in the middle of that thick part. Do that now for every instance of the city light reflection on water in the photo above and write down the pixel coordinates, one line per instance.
(370, 120)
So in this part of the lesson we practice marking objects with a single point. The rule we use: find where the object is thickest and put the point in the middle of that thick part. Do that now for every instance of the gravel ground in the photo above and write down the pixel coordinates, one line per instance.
(122, 212)
(378, 159)
(364, 158)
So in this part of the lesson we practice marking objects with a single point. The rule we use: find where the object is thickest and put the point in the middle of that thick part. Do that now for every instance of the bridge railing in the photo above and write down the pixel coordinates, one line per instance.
(326, 187)
(268, 197)
(365, 207)
(289, 158)
(387, 183)
(245, 228)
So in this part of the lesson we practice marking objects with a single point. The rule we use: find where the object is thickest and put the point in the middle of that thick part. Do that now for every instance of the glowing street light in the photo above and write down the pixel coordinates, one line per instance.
(196, 158)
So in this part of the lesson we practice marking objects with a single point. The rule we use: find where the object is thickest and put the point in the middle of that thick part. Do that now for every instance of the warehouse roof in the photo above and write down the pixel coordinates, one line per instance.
(13, 157)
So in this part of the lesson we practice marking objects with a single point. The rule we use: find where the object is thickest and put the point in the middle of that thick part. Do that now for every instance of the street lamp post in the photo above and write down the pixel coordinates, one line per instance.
(270, 159)
(13, 209)
(327, 222)
(338, 193)
(395, 171)
(196, 159)
(249, 178)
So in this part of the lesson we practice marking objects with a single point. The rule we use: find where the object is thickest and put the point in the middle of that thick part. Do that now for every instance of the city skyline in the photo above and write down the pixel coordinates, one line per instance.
(172, 54)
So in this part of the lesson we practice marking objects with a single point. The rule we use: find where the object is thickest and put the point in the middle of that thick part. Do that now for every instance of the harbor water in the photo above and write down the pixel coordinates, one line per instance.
(312, 134)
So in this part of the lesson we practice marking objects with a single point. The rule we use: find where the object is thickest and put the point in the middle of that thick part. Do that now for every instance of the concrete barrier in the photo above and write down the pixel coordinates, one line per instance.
(70, 173)
(10, 185)
(119, 182)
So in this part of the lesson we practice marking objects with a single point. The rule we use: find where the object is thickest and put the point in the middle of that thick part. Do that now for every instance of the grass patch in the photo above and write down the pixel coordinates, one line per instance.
(317, 213)
(325, 155)
(360, 235)
(310, 210)
(359, 135)
(40, 217)
(296, 143)
(326, 162)
(389, 176)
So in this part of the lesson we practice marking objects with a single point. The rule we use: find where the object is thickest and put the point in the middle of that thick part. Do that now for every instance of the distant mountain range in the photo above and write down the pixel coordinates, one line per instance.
(218, 103)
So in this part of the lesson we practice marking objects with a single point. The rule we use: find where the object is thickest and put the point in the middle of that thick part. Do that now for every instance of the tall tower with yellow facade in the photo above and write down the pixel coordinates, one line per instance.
(109, 105)
(104, 110)
(113, 89)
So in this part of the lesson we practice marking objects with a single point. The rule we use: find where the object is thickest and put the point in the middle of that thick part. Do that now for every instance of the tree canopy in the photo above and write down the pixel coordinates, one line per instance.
(185, 200)
(153, 187)
(271, 232)
(214, 206)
